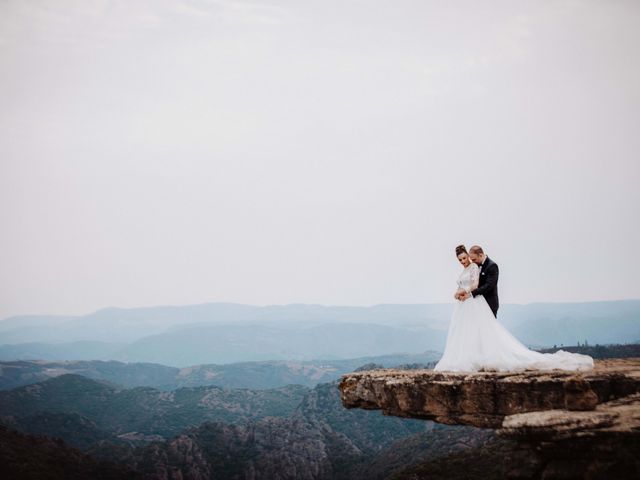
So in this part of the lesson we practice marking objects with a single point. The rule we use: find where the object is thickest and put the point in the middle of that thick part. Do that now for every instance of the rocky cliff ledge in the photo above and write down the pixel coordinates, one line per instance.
(488, 399)
(570, 424)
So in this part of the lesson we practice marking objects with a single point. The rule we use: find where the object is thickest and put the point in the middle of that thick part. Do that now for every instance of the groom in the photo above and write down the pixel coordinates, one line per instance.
(488, 284)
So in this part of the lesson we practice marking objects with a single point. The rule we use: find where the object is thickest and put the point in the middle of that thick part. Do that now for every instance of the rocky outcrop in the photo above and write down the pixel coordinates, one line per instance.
(484, 399)
(568, 424)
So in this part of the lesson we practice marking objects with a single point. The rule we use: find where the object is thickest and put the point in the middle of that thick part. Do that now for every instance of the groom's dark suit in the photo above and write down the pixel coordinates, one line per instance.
(488, 284)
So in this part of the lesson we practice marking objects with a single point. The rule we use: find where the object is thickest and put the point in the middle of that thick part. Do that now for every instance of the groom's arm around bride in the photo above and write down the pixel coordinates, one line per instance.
(488, 286)
(488, 282)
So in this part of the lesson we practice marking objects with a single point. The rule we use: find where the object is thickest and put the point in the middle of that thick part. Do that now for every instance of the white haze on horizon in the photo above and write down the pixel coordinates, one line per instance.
(324, 152)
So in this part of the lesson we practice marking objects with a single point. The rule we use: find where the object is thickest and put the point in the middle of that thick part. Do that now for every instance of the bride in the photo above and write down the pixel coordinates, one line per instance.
(477, 341)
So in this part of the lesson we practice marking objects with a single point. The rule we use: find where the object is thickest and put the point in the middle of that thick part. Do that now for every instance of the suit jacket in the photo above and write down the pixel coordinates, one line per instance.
(488, 284)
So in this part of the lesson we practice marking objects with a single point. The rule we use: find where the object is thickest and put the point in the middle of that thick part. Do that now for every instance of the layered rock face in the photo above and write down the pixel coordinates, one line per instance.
(484, 399)
(569, 424)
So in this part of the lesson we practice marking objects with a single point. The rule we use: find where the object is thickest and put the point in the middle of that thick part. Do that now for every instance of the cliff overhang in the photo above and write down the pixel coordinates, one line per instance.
(511, 402)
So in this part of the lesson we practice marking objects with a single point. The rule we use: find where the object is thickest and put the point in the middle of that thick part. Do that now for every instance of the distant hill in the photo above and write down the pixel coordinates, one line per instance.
(227, 333)
(143, 409)
(548, 324)
(255, 375)
(631, 350)
(229, 343)
(81, 350)
(125, 325)
(24, 372)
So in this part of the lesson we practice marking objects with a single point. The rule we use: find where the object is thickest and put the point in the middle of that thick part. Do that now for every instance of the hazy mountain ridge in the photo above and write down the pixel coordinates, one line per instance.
(629, 350)
(230, 343)
(255, 375)
(228, 333)
(145, 321)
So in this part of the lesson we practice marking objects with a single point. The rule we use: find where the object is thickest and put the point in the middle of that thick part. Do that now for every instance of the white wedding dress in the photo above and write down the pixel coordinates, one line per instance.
(477, 341)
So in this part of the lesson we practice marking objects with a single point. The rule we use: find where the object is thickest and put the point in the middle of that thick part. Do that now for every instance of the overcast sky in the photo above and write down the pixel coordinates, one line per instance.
(161, 152)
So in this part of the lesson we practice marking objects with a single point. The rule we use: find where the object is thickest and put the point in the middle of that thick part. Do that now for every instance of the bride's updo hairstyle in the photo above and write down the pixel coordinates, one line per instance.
(460, 249)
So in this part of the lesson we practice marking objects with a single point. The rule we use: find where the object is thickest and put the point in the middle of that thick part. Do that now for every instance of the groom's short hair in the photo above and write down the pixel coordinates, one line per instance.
(476, 249)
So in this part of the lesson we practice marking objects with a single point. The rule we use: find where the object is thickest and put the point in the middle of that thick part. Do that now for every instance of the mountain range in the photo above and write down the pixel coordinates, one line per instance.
(72, 426)
(255, 375)
(224, 333)
(208, 432)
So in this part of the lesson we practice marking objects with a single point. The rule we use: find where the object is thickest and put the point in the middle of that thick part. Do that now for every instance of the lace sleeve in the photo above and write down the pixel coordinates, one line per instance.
(474, 278)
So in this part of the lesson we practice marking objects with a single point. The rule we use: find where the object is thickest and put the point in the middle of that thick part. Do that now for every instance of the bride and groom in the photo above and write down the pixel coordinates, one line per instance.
(476, 340)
